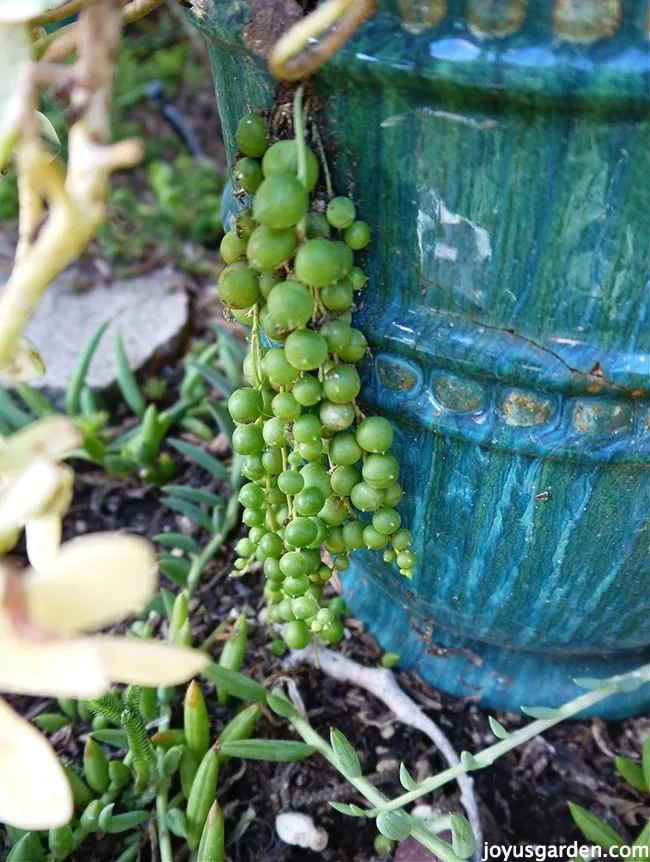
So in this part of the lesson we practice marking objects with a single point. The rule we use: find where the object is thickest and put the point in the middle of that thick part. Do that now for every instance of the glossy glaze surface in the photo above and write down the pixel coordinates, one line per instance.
(501, 160)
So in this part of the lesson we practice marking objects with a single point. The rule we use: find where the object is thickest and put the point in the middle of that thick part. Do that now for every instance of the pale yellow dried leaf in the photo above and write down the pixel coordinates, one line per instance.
(51, 668)
(8, 539)
(28, 494)
(26, 362)
(95, 580)
(23, 10)
(137, 661)
(50, 438)
(34, 790)
(14, 59)
(43, 539)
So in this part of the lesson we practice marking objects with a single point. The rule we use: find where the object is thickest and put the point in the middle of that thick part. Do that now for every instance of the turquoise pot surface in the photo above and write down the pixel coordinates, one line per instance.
(500, 155)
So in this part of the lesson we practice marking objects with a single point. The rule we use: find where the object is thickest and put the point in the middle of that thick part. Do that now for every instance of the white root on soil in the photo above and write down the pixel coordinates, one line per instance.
(381, 683)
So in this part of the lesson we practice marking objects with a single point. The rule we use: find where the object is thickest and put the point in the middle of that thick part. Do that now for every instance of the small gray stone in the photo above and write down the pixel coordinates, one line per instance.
(150, 312)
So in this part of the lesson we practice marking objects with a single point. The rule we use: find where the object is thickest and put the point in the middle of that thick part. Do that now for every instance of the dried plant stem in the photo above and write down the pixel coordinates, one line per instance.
(57, 14)
(76, 200)
(292, 59)
(57, 46)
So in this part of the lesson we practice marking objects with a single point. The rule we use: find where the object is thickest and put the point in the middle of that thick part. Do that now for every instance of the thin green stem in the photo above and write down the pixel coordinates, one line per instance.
(162, 797)
(489, 755)
(299, 134)
(369, 791)
(301, 152)
(202, 559)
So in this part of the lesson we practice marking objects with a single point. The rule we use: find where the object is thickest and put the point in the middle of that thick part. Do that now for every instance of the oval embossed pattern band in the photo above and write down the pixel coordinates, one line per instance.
(498, 150)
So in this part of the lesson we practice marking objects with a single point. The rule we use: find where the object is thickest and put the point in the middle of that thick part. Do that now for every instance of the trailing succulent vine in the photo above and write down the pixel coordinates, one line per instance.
(322, 481)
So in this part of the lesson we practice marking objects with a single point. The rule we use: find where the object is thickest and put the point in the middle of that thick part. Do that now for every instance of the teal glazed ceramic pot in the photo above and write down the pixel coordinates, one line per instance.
(499, 152)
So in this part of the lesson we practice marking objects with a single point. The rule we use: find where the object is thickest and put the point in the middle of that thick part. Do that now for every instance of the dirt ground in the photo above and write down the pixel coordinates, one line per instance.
(523, 797)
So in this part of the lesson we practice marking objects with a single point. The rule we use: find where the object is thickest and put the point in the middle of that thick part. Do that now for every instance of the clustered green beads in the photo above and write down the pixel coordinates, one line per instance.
(320, 474)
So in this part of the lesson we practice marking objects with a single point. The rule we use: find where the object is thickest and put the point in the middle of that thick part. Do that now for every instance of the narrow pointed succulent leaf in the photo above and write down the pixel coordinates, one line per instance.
(126, 379)
(217, 381)
(497, 728)
(462, 836)
(349, 809)
(193, 495)
(196, 723)
(239, 727)
(643, 838)
(201, 797)
(177, 822)
(211, 846)
(95, 766)
(632, 773)
(541, 712)
(273, 750)
(394, 825)
(112, 736)
(80, 790)
(172, 760)
(149, 703)
(590, 683)
(167, 739)
(192, 377)
(197, 428)
(50, 722)
(128, 820)
(178, 617)
(89, 819)
(593, 828)
(116, 823)
(345, 754)
(234, 683)
(119, 774)
(406, 779)
(281, 705)
(60, 842)
(232, 654)
(623, 683)
(34, 400)
(202, 458)
(194, 513)
(13, 833)
(177, 541)
(11, 413)
(29, 847)
(469, 761)
(187, 772)
(222, 418)
(176, 568)
(80, 371)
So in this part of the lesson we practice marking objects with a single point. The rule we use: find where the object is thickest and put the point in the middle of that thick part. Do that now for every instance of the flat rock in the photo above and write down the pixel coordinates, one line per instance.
(151, 313)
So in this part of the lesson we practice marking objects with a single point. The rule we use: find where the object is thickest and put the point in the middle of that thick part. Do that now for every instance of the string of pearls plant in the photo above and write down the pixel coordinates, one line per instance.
(322, 480)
